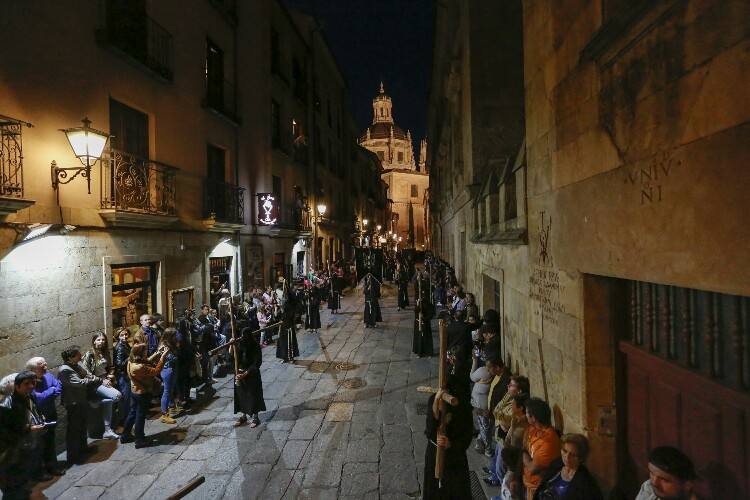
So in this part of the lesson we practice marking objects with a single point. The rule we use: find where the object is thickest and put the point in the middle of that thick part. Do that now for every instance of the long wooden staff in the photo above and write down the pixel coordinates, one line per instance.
(234, 340)
(444, 417)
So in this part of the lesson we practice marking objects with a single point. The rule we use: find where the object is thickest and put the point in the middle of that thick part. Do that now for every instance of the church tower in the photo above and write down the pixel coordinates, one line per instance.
(382, 107)
(407, 185)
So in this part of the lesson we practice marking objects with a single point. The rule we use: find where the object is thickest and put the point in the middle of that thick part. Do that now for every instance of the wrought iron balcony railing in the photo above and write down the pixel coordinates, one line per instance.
(222, 97)
(225, 202)
(295, 218)
(137, 36)
(133, 184)
(11, 157)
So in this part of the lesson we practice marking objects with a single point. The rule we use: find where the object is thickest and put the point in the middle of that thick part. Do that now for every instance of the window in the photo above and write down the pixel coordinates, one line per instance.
(133, 293)
(214, 76)
(400, 156)
(216, 201)
(275, 124)
(300, 85)
(319, 152)
(278, 190)
(511, 209)
(129, 128)
(330, 156)
(275, 52)
(414, 191)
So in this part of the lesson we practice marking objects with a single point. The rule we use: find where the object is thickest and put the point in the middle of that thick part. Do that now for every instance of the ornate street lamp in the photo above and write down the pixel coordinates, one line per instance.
(88, 145)
(322, 209)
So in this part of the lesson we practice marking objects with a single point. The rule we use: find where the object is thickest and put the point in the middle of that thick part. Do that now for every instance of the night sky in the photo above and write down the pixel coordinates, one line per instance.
(380, 39)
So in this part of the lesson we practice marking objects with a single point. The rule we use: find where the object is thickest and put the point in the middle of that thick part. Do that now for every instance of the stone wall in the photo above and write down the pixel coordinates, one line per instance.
(637, 142)
(52, 293)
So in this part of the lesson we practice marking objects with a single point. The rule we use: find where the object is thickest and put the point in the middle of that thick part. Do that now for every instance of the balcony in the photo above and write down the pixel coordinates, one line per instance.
(296, 222)
(137, 192)
(221, 98)
(137, 37)
(223, 206)
(11, 166)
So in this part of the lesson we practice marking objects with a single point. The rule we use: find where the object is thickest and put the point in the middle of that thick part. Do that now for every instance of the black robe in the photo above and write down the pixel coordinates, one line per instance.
(248, 392)
(286, 347)
(372, 306)
(403, 291)
(455, 484)
(312, 312)
(334, 298)
(422, 341)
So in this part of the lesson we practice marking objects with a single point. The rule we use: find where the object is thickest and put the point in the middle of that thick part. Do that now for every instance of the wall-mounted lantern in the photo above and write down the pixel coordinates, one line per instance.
(88, 145)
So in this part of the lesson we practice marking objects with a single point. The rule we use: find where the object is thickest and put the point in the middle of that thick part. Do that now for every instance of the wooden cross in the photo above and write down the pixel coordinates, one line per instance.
(445, 399)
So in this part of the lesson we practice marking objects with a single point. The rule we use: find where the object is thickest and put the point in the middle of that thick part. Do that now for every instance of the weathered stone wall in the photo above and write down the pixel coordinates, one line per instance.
(636, 149)
(637, 143)
(52, 294)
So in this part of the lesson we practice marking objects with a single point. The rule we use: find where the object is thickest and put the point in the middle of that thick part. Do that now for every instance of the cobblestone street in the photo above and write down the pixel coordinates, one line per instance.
(344, 422)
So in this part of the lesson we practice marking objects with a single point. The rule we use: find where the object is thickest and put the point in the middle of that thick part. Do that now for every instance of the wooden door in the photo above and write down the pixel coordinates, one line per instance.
(685, 384)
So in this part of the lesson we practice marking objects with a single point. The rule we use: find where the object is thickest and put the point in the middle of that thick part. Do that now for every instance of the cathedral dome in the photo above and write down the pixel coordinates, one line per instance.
(382, 130)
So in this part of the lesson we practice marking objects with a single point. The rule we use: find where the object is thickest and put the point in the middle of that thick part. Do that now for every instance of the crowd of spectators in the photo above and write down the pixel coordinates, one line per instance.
(528, 458)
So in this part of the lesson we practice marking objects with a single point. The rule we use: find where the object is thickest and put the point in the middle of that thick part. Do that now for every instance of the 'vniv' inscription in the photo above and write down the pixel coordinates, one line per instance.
(651, 178)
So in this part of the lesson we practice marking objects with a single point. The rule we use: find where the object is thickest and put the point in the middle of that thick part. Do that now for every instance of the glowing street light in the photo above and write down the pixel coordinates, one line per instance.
(322, 209)
(88, 145)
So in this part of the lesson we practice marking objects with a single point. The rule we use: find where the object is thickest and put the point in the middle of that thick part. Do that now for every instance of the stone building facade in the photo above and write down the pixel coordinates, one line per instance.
(406, 183)
(173, 211)
(587, 180)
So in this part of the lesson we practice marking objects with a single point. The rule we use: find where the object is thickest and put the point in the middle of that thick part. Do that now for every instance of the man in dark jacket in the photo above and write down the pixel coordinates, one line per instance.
(20, 428)
(77, 383)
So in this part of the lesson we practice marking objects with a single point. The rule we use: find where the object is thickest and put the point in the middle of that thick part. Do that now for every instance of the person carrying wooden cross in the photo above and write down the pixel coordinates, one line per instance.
(449, 422)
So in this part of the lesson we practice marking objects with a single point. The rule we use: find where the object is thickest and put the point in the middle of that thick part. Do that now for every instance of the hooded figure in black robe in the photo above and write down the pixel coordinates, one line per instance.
(455, 483)
(372, 306)
(334, 298)
(312, 310)
(402, 279)
(248, 387)
(422, 341)
(286, 347)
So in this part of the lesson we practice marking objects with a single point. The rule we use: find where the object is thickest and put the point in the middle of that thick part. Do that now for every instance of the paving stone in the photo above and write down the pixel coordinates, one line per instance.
(364, 450)
(105, 474)
(266, 450)
(247, 482)
(131, 486)
(153, 463)
(175, 477)
(212, 488)
(307, 425)
(278, 483)
(359, 479)
(292, 454)
(398, 474)
(201, 448)
(82, 493)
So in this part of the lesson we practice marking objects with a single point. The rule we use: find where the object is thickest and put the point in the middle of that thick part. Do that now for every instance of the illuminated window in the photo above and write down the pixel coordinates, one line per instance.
(133, 293)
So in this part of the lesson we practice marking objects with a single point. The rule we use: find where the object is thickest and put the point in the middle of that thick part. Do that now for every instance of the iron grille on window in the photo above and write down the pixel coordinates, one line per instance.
(134, 184)
(11, 157)
(224, 201)
(127, 28)
(705, 332)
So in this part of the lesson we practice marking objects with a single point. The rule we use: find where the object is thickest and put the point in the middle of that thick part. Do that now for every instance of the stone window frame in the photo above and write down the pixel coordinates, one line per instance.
(109, 260)
(490, 199)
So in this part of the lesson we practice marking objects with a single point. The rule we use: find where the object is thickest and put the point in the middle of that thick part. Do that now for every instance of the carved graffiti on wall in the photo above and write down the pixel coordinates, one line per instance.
(651, 178)
(544, 282)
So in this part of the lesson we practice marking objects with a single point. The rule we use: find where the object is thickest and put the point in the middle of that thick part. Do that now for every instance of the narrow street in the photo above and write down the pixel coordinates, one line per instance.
(344, 422)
